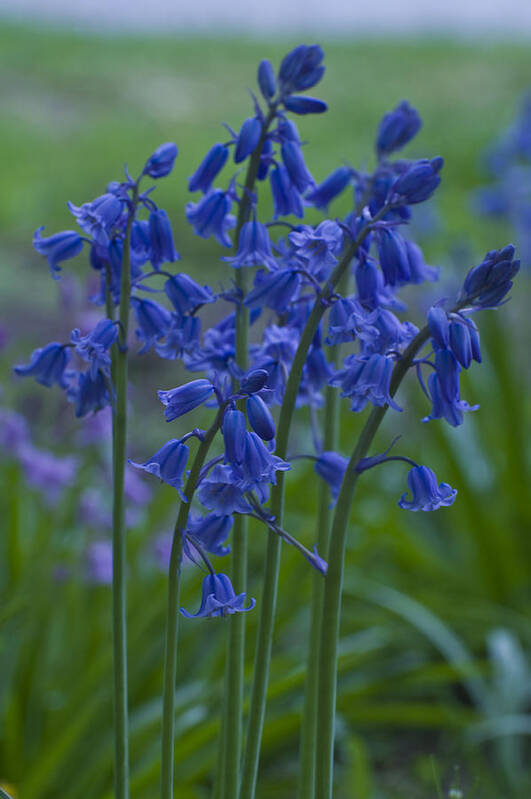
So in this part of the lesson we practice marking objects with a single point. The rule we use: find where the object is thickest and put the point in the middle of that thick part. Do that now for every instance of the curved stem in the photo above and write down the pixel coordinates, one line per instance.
(119, 610)
(334, 580)
(272, 561)
(170, 654)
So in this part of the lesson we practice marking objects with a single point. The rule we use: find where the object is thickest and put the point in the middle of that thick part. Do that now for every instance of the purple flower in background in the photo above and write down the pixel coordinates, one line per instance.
(209, 168)
(426, 494)
(274, 289)
(47, 472)
(58, 248)
(168, 464)
(14, 432)
(161, 162)
(183, 399)
(47, 365)
(181, 337)
(219, 599)
(99, 562)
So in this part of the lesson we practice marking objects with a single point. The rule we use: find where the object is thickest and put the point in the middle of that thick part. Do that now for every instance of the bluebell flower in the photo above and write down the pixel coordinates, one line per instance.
(153, 321)
(216, 356)
(393, 257)
(181, 337)
(254, 247)
(397, 128)
(274, 290)
(99, 217)
(95, 346)
(160, 232)
(219, 599)
(330, 188)
(185, 294)
(258, 465)
(168, 464)
(286, 198)
(331, 467)
(464, 340)
(161, 162)
(366, 379)
(315, 375)
(318, 246)
(299, 104)
(253, 382)
(210, 216)
(47, 365)
(221, 491)
(418, 182)
(447, 369)
(294, 162)
(183, 399)
(234, 429)
(90, 395)
(275, 355)
(209, 168)
(266, 79)
(486, 285)
(439, 326)
(349, 320)
(57, 248)
(141, 246)
(211, 531)
(248, 139)
(425, 493)
(372, 292)
(301, 68)
(419, 271)
(444, 407)
(390, 333)
(260, 417)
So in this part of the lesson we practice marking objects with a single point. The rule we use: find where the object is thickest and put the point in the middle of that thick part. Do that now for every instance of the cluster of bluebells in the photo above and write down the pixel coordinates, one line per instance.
(293, 272)
(508, 163)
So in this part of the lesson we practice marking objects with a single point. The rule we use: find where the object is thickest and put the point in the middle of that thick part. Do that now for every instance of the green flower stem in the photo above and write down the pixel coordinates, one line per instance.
(272, 561)
(306, 787)
(334, 579)
(231, 739)
(170, 656)
(119, 604)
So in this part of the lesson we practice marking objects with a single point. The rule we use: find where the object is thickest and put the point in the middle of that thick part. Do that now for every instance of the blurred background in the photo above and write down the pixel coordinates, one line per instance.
(435, 669)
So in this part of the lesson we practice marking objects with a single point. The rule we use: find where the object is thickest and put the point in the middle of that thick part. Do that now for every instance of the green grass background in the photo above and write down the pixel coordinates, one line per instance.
(434, 681)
